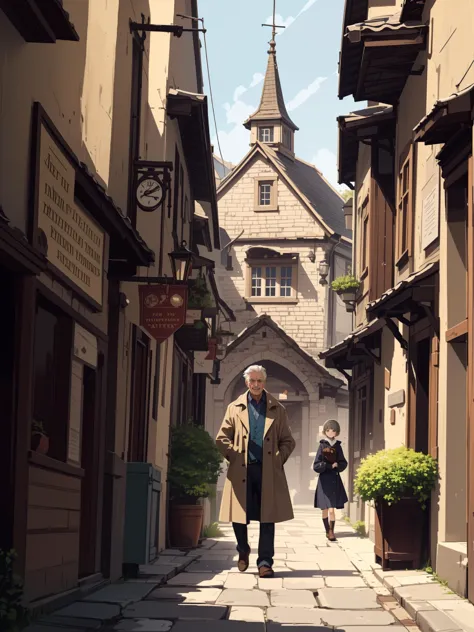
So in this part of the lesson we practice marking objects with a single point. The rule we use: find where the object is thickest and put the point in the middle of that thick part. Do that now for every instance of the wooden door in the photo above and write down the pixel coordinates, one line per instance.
(90, 455)
(138, 434)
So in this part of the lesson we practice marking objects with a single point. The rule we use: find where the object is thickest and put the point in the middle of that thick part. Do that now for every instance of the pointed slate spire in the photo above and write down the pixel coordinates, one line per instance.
(272, 104)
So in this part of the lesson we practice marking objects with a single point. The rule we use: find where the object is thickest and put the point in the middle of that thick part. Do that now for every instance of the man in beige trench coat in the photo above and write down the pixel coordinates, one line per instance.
(256, 441)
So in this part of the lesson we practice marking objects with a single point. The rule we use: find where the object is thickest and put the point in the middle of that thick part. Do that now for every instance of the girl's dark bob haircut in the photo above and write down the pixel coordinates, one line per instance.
(332, 424)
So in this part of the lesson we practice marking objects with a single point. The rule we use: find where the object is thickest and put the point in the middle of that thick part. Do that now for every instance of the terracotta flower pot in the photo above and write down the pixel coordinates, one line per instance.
(40, 443)
(185, 525)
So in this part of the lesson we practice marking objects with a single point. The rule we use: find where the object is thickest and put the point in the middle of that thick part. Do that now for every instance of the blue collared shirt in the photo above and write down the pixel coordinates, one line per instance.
(257, 415)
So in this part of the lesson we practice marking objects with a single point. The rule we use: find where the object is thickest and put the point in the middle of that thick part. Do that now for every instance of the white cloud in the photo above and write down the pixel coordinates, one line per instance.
(257, 78)
(238, 112)
(281, 21)
(326, 162)
(288, 21)
(234, 144)
(239, 91)
(305, 94)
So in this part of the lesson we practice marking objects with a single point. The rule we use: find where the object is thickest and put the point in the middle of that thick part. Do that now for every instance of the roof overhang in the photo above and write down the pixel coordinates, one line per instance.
(355, 11)
(361, 345)
(412, 10)
(191, 112)
(377, 121)
(447, 117)
(412, 295)
(379, 57)
(266, 321)
(42, 21)
(15, 251)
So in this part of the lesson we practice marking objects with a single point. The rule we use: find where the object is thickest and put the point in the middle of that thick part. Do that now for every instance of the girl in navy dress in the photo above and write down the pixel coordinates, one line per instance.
(329, 463)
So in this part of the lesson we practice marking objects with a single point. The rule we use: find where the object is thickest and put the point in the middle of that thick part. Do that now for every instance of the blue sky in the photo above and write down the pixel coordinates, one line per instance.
(307, 53)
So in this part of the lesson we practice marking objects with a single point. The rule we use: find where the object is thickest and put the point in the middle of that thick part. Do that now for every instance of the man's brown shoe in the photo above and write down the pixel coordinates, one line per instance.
(265, 572)
(243, 563)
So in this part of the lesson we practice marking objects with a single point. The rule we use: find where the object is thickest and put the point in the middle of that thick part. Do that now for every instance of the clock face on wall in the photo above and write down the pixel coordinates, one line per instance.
(150, 192)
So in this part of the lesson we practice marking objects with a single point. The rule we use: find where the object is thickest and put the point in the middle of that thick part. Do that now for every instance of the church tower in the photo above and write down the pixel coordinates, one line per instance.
(271, 124)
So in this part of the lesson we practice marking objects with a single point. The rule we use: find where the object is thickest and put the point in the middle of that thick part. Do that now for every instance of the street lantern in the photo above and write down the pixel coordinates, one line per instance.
(181, 263)
(323, 272)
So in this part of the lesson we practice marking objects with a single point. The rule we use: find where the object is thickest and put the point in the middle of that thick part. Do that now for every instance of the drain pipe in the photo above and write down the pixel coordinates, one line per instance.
(331, 297)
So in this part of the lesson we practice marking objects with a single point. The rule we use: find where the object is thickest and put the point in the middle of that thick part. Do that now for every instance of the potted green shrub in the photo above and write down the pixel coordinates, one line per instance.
(195, 465)
(399, 482)
(13, 615)
(347, 286)
(39, 438)
(199, 296)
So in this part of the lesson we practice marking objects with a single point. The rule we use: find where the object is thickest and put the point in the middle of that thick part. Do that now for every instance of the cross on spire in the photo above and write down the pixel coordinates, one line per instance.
(274, 27)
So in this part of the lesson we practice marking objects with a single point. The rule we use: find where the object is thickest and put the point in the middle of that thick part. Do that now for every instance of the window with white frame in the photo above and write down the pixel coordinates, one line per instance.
(266, 134)
(275, 281)
(265, 193)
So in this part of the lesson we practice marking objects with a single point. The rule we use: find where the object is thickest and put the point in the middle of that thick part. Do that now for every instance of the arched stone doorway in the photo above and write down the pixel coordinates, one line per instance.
(290, 391)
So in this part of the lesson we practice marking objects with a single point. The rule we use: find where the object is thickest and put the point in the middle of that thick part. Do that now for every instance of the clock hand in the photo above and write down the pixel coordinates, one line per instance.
(150, 191)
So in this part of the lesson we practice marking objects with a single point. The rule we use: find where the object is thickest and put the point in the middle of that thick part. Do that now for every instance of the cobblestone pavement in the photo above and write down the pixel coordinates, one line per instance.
(318, 586)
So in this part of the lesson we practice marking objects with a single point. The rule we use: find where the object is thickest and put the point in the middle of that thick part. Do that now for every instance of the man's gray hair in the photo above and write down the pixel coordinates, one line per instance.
(255, 368)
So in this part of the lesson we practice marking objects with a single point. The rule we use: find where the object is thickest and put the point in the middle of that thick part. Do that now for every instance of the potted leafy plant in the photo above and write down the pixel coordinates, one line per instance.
(344, 285)
(199, 296)
(13, 615)
(399, 482)
(195, 465)
(39, 438)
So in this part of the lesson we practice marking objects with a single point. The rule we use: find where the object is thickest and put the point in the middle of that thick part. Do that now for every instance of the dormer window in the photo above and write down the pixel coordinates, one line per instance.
(266, 134)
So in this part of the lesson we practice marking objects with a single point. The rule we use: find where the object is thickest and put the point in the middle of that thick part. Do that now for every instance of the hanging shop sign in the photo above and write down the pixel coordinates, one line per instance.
(75, 242)
(163, 309)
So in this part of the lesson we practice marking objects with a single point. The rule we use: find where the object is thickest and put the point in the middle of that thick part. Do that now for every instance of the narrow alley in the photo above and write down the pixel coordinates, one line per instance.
(317, 586)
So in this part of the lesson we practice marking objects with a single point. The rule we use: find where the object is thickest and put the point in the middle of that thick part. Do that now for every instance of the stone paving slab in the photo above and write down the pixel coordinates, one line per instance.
(341, 618)
(432, 592)
(437, 621)
(303, 583)
(70, 622)
(353, 599)
(38, 627)
(143, 625)
(236, 597)
(204, 580)
(295, 616)
(211, 566)
(175, 552)
(219, 626)
(275, 583)
(166, 570)
(249, 615)
(241, 581)
(89, 610)
(122, 594)
(292, 599)
(170, 611)
(345, 582)
(460, 611)
(186, 595)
